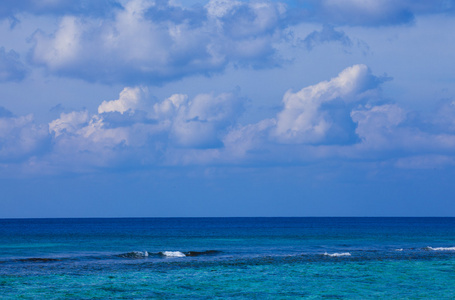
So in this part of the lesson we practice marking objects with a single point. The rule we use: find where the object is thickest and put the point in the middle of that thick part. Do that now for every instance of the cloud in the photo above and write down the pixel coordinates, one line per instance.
(148, 42)
(203, 121)
(376, 124)
(249, 142)
(11, 68)
(309, 114)
(57, 7)
(373, 12)
(69, 123)
(342, 119)
(20, 137)
(327, 34)
(145, 136)
(89, 144)
(386, 133)
(128, 100)
(366, 12)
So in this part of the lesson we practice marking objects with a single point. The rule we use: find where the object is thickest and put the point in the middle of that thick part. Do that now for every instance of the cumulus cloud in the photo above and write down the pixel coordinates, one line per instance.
(88, 143)
(68, 123)
(129, 100)
(145, 136)
(308, 116)
(154, 42)
(202, 122)
(342, 118)
(135, 46)
(82, 142)
(11, 68)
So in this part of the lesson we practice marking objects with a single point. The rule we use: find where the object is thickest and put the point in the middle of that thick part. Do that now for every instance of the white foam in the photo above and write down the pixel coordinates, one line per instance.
(173, 254)
(140, 253)
(441, 248)
(401, 249)
(337, 254)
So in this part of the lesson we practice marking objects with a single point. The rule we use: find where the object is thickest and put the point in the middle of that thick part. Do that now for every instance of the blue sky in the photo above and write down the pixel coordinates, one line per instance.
(227, 108)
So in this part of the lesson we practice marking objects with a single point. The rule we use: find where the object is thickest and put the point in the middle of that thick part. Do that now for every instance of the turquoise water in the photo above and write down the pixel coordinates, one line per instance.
(236, 258)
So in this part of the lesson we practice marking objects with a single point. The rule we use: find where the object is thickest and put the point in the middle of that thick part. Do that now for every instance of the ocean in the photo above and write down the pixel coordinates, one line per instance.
(228, 258)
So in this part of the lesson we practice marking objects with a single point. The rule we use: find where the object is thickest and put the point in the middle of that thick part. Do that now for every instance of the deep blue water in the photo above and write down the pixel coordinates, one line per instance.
(240, 258)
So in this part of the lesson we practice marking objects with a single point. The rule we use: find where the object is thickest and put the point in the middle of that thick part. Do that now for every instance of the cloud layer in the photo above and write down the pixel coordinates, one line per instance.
(344, 118)
(147, 42)
(154, 42)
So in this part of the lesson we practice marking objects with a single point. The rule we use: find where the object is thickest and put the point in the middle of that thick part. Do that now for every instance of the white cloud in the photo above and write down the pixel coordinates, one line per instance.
(89, 145)
(169, 107)
(303, 120)
(68, 123)
(62, 49)
(146, 43)
(129, 100)
(219, 8)
(182, 130)
(111, 137)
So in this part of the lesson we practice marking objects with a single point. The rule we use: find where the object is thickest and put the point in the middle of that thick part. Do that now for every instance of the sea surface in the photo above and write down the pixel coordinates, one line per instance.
(228, 258)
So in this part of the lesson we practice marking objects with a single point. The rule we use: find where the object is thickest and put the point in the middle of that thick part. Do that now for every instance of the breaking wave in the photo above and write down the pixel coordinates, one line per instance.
(337, 254)
(172, 254)
(146, 254)
(440, 248)
(134, 254)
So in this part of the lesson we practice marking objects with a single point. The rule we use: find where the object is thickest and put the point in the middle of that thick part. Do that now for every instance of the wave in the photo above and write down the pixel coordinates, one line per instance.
(440, 248)
(172, 254)
(134, 255)
(337, 254)
(146, 254)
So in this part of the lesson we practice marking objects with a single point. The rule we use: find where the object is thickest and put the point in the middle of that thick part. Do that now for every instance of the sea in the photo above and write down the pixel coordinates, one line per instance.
(227, 258)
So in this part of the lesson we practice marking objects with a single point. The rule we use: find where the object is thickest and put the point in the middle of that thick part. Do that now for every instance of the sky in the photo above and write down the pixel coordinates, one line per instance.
(197, 108)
